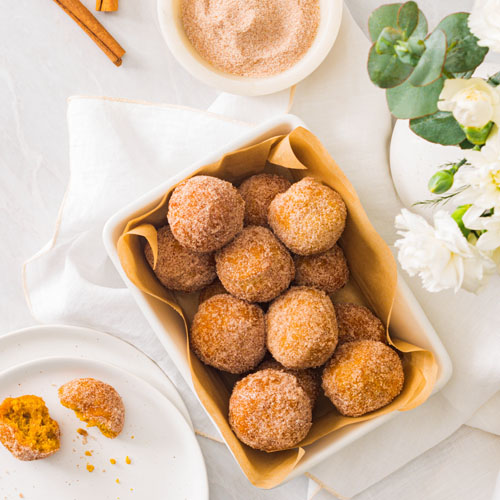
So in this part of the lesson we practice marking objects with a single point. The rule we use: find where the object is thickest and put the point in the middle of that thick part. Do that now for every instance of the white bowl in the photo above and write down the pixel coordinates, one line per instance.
(169, 17)
(408, 321)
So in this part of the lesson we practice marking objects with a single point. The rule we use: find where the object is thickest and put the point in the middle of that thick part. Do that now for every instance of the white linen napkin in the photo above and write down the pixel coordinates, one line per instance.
(120, 149)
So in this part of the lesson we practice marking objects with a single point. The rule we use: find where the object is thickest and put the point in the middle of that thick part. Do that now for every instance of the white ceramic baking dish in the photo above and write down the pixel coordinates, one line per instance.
(408, 319)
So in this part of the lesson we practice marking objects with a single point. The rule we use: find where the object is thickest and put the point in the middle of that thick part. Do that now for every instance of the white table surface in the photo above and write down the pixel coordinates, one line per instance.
(44, 58)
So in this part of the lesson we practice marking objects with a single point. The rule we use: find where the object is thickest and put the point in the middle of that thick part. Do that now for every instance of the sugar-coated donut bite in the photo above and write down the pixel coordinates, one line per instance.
(229, 334)
(357, 322)
(255, 266)
(362, 376)
(309, 217)
(26, 428)
(309, 379)
(327, 271)
(258, 191)
(270, 411)
(177, 267)
(301, 328)
(209, 291)
(205, 213)
(96, 403)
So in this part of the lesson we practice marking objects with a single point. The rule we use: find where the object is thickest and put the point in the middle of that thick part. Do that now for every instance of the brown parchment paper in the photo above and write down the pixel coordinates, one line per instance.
(373, 283)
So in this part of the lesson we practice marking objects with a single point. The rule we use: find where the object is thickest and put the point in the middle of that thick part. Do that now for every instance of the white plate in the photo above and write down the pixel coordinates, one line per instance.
(169, 17)
(408, 321)
(41, 341)
(166, 458)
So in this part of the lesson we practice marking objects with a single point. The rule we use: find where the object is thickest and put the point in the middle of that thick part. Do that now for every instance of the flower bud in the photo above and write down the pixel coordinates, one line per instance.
(441, 181)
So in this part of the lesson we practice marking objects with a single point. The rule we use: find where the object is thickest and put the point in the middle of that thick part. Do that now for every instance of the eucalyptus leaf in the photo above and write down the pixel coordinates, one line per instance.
(386, 40)
(465, 74)
(440, 128)
(464, 54)
(420, 31)
(408, 18)
(387, 70)
(466, 144)
(494, 80)
(416, 46)
(386, 15)
(430, 66)
(407, 101)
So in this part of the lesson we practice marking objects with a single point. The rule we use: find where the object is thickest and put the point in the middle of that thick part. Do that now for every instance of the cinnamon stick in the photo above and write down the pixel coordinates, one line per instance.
(106, 5)
(93, 28)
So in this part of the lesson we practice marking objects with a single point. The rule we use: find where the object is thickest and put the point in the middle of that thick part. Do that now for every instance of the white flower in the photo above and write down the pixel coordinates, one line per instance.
(472, 101)
(488, 242)
(440, 255)
(481, 180)
(484, 22)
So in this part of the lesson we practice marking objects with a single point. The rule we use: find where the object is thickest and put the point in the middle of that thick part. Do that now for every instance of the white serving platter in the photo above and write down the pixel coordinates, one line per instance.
(42, 341)
(408, 319)
(165, 458)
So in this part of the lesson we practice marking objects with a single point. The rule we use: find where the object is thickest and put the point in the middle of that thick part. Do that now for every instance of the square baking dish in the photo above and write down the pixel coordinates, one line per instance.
(408, 321)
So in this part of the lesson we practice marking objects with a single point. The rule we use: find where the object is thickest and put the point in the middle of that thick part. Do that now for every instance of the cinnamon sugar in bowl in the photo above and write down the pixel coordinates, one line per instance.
(250, 47)
(251, 37)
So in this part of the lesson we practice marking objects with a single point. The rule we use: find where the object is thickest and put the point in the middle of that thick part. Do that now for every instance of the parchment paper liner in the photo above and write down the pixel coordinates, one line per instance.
(373, 282)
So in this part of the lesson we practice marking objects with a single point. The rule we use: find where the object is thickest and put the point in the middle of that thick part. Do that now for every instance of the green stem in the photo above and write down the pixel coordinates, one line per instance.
(456, 166)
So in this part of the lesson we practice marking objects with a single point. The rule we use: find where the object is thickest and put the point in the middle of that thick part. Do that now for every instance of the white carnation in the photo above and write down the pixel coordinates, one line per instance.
(440, 255)
(484, 22)
(472, 101)
(480, 181)
(489, 241)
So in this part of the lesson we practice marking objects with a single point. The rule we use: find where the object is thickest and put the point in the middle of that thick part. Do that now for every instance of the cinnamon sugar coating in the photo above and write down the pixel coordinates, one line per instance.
(309, 217)
(96, 403)
(255, 266)
(251, 37)
(362, 376)
(205, 213)
(269, 410)
(229, 334)
(26, 428)
(327, 271)
(301, 328)
(258, 191)
(177, 267)
(308, 379)
(357, 322)
(209, 291)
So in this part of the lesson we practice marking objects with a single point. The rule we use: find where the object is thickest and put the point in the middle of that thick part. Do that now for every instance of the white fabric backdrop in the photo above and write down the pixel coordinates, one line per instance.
(39, 67)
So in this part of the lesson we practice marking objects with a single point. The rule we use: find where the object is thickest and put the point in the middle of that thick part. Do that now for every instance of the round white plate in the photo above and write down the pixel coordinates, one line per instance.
(166, 461)
(73, 341)
(169, 17)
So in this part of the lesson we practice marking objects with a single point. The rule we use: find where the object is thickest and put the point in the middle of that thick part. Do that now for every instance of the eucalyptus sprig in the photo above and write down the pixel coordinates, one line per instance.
(412, 65)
